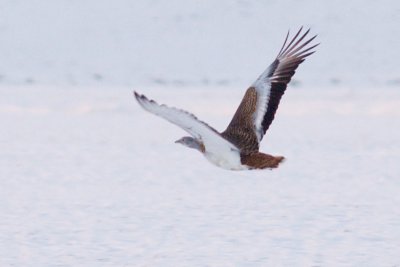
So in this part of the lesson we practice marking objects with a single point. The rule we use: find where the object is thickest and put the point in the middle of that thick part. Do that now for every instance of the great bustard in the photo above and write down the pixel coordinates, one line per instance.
(237, 147)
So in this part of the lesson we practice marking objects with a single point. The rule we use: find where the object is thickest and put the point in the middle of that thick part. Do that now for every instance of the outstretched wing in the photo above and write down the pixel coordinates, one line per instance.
(211, 139)
(258, 107)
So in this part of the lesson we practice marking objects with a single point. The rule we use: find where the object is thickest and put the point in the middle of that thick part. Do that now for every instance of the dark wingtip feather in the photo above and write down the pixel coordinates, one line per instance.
(284, 43)
(296, 44)
(291, 42)
(141, 99)
(136, 94)
(139, 96)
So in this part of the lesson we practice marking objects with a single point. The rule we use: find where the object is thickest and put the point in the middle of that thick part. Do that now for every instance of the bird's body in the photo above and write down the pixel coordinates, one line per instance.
(229, 160)
(237, 148)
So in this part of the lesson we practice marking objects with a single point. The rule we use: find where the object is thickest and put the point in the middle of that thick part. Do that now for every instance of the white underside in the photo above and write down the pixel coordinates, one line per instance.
(229, 161)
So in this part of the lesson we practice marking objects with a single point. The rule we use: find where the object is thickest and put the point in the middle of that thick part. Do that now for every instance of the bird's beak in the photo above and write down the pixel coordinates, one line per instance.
(178, 141)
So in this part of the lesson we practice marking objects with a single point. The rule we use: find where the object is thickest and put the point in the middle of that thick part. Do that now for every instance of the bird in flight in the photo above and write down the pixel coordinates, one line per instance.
(237, 148)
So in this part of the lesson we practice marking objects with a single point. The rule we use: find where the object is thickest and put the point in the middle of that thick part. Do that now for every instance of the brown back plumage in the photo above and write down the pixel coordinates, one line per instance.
(240, 130)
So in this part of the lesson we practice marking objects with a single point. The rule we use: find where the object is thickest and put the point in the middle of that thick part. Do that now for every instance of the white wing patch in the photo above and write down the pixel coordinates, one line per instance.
(263, 89)
(212, 140)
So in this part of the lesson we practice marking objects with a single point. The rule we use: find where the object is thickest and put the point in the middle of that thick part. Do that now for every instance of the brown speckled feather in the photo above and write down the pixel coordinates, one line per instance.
(240, 131)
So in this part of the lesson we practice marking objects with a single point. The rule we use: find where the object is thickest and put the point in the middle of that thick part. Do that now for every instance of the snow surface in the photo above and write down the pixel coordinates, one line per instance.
(88, 178)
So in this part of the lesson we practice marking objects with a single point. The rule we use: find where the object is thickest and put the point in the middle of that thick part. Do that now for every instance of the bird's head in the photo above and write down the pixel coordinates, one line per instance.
(191, 142)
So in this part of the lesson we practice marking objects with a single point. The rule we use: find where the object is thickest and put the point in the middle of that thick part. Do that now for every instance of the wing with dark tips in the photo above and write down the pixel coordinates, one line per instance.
(264, 95)
(211, 139)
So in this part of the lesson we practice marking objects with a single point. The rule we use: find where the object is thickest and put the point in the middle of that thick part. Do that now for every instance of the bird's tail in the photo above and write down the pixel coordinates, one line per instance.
(260, 160)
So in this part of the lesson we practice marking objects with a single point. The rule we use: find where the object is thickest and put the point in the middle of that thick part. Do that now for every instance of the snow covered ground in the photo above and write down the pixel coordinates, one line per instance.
(88, 178)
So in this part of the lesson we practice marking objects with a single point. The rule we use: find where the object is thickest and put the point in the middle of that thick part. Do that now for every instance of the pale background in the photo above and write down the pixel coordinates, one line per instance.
(87, 178)
(131, 43)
